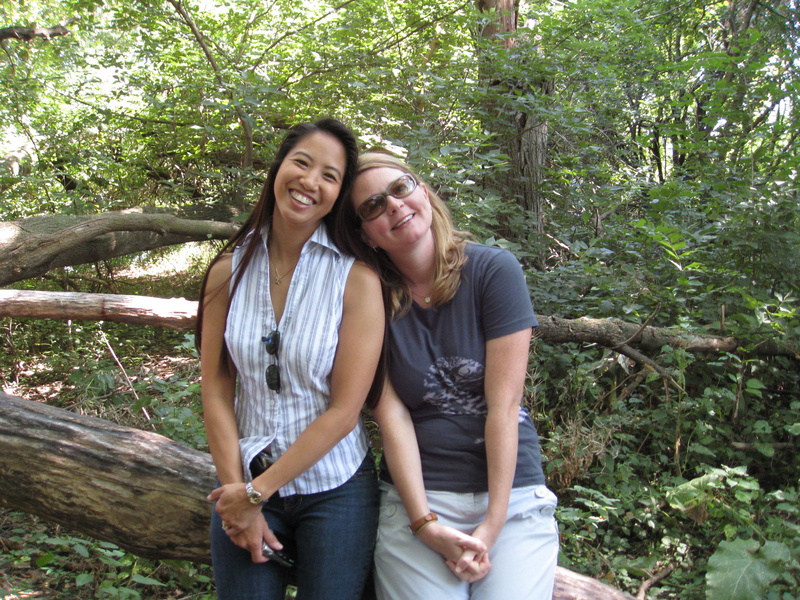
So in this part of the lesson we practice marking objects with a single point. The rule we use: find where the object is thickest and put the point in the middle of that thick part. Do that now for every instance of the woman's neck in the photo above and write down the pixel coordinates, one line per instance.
(285, 242)
(416, 265)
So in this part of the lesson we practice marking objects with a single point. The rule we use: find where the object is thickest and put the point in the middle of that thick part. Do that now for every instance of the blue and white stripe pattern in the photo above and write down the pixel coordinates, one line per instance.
(309, 331)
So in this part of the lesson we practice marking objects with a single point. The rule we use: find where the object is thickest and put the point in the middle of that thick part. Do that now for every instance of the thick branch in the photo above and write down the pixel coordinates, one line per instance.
(180, 314)
(613, 332)
(32, 247)
(27, 34)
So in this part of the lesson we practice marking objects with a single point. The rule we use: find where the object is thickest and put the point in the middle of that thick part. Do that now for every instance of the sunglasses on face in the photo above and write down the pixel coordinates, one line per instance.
(271, 343)
(374, 206)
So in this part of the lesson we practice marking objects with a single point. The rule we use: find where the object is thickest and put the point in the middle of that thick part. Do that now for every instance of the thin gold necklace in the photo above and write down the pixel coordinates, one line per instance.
(427, 299)
(278, 278)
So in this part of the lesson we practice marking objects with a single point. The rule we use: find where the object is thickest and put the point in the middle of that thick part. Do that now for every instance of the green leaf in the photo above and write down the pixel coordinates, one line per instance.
(83, 579)
(44, 560)
(765, 449)
(743, 569)
(136, 578)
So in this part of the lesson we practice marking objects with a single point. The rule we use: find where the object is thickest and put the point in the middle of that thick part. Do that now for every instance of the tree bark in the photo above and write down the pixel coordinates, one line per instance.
(177, 313)
(173, 313)
(133, 488)
(526, 138)
(27, 34)
(574, 586)
(32, 247)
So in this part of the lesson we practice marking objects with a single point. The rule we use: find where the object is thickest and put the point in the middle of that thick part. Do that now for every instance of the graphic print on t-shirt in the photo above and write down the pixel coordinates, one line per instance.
(454, 385)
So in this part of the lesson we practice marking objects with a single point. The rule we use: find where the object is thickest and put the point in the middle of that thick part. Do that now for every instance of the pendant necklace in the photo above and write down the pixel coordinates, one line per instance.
(426, 299)
(278, 278)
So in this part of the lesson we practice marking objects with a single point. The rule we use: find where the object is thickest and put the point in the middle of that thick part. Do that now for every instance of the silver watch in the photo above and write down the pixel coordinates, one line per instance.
(253, 495)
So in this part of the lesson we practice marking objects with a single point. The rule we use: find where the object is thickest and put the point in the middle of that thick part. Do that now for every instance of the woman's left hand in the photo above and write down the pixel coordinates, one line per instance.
(235, 509)
(471, 566)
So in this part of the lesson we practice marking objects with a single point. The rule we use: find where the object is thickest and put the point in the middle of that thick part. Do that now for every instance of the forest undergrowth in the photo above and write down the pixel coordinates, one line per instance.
(77, 366)
(656, 490)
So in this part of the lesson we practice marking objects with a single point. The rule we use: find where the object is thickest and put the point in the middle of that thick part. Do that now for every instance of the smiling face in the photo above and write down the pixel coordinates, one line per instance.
(406, 221)
(309, 180)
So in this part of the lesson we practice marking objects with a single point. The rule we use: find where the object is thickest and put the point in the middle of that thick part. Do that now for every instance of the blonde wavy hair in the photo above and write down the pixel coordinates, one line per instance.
(449, 243)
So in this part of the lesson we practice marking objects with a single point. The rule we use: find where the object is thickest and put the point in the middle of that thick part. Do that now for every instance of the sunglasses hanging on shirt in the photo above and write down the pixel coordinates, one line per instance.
(272, 342)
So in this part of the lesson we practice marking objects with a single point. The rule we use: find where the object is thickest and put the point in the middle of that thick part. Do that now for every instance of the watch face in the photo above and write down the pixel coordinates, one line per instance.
(253, 495)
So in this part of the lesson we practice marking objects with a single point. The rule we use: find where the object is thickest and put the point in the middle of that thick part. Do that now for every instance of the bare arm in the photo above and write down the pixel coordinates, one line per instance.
(401, 451)
(506, 369)
(218, 387)
(218, 390)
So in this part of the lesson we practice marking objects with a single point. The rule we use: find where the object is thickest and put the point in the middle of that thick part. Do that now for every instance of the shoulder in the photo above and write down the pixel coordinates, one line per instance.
(218, 280)
(488, 252)
(362, 293)
(362, 279)
(220, 271)
(485, 257)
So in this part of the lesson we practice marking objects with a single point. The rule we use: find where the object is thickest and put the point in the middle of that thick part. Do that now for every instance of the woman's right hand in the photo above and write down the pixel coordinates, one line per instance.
(466, 556)
(253, 537)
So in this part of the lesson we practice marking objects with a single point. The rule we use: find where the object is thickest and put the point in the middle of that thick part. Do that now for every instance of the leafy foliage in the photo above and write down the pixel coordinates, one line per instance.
(669, 192)
(744, 569)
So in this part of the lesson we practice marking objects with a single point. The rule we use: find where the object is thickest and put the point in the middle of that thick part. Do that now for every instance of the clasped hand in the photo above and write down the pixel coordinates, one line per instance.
(466, 556)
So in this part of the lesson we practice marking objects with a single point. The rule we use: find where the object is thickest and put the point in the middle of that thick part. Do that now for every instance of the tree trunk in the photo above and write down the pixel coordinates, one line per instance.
(177, 313)
(133, 488)
(32, 247)
(526, 140)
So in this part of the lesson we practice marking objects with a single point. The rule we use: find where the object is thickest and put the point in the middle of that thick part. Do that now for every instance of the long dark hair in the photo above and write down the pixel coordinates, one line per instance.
(337, 222)
(261, 216)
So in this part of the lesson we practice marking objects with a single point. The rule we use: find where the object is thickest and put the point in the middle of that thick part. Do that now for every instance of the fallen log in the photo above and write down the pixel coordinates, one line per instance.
(173, 313)
(574, 586)
(177, 313)
(136, 489)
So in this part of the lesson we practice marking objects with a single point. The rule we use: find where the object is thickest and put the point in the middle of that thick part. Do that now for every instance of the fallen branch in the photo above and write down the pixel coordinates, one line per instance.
(136, 489)
(173, 313)
(642, 595)
(177, 313)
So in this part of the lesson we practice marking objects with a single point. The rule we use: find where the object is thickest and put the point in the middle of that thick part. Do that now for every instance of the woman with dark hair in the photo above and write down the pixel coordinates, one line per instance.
(465, 513)
(290, 330)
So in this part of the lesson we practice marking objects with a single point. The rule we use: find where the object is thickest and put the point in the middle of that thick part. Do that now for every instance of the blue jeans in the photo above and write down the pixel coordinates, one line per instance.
(331, 536)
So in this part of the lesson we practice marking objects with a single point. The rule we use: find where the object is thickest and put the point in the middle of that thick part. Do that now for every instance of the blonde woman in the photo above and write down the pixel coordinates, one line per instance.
(465, 512)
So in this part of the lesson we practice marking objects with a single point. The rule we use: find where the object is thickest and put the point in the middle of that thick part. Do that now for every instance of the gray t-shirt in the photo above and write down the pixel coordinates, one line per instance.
(436, 364)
